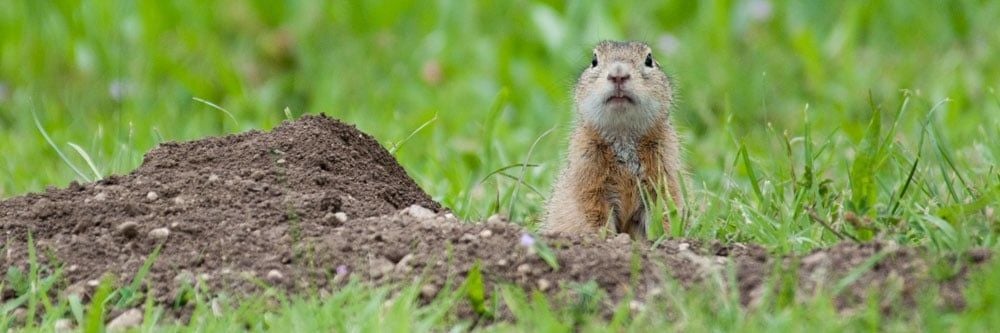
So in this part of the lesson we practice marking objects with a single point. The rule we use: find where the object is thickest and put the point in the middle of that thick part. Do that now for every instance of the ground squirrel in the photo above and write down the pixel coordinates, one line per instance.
(622, 141)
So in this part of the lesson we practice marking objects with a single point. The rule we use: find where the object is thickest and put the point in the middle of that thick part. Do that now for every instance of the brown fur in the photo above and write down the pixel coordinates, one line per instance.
(609, 160)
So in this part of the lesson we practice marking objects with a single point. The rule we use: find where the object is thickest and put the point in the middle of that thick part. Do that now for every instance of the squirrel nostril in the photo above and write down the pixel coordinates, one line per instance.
(620, 78)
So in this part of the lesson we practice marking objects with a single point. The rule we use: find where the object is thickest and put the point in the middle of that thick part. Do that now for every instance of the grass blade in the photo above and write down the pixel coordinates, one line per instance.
(214, 106)
(395, 146)
(86, 158)
(38, 124)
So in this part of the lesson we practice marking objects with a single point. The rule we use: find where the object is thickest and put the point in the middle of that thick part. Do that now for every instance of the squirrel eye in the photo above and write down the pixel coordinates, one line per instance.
(649, 60)
(593, 61)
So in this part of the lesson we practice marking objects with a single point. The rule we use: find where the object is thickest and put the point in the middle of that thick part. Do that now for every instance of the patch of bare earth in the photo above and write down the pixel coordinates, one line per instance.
(315, 202)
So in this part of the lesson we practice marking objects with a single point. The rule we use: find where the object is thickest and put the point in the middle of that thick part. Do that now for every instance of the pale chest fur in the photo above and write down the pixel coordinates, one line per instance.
(626, 155)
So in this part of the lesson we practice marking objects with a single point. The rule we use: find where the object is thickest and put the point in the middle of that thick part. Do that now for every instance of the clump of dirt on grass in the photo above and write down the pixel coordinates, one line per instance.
(316, 202)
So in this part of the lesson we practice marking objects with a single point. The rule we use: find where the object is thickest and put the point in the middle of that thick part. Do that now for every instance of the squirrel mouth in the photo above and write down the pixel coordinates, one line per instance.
(620, 96)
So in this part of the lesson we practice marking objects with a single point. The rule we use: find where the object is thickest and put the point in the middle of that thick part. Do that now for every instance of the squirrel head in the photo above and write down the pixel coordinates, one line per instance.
(623, 92)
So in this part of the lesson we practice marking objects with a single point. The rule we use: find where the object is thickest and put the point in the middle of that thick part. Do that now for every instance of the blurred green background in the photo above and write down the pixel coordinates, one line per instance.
(492, 77)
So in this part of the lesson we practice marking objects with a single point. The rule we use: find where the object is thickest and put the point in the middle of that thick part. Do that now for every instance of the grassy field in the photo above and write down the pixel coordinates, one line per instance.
(874, 119)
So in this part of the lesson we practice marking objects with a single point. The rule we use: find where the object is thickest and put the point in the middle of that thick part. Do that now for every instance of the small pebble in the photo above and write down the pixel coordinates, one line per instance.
(544, 284)
(486, 233)
(524, 269)
(635, 305)
(213, 178)
(129, 229)
(340, 216)
(101, 196)
(152, 196)
(683, 246)
(63, 325)
(467, 238)
(159, 233)
(128, 319)
(275, 276)
(19, 315)
(428, 291)
(420, 212)
(496, 218)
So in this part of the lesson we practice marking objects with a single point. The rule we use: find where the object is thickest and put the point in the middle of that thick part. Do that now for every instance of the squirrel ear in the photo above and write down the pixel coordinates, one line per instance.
(593, 61)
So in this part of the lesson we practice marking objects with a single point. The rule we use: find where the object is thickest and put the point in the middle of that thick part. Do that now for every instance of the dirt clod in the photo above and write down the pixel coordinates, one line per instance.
(275, 276)
(128, 229)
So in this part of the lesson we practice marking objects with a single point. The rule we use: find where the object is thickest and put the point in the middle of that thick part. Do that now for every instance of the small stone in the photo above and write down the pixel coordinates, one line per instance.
(502, 263)
(213, 178)
(496, 218)
(63, 325)
(381, 267)
(178, 200)
(467, 238)
(340, 217)
(524, 269)
(93, 283)
(280, 161)
(275, 276)
(449, 216)
(128, 319)
(683, 246)
(101, 196)
(19, 315)
(544, 284)
(428, 291)
(636, 306)
(129, 229)
(152, 196)
(72, 268)
(486, 233)
(159, 233)
(420, 212)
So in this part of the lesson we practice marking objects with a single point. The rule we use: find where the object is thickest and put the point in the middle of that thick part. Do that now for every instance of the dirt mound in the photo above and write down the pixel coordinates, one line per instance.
(237, 202)
(316, 201)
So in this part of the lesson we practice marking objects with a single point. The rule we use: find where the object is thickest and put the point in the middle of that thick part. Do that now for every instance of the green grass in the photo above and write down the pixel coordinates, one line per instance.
(821, 121)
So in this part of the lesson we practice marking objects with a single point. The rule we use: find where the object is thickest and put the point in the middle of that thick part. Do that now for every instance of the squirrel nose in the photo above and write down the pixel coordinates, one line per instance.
(618, 78)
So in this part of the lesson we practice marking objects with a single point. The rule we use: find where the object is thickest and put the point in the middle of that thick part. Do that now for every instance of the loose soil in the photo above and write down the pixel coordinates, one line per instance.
(316, 202)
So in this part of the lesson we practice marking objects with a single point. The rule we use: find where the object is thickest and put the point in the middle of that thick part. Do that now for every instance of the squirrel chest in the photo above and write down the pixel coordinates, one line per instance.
(624, 168)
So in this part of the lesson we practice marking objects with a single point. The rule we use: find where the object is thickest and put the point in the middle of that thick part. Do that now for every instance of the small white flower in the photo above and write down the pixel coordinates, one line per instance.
(527, 240)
